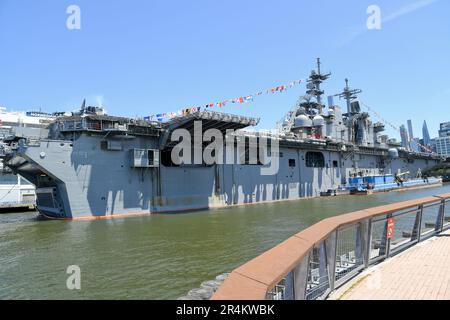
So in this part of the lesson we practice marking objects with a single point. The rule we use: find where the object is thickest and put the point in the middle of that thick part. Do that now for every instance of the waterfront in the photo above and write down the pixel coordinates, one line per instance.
(155, 256)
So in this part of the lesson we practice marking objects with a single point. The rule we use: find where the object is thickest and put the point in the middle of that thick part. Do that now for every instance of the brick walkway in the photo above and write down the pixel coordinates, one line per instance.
(420, 273)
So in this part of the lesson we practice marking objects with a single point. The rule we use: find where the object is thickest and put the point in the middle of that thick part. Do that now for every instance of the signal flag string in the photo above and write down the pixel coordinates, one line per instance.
(380, 117)
(243, 99)
(249, 98)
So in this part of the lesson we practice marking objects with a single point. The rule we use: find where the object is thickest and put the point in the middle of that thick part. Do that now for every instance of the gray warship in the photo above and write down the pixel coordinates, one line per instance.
(92, 165)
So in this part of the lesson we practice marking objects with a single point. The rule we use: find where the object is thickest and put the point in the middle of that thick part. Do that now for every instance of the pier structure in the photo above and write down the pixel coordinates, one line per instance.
(395, 251)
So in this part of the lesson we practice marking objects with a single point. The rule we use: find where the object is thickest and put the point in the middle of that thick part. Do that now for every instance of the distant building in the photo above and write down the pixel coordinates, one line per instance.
(404, 137)
(433, 145)
(445, 130)
(414, 145)
(410, 130)
(443, 142)
(443, 146)
(426, 134)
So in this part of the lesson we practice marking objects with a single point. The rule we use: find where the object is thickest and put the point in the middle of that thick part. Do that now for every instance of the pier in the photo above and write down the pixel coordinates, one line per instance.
(395, 251)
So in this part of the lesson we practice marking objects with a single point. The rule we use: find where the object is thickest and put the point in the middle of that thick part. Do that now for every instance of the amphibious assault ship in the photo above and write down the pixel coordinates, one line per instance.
(92, 165)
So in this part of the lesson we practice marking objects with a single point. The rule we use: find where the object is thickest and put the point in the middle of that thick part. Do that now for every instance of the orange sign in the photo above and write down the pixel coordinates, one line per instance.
(390, 228)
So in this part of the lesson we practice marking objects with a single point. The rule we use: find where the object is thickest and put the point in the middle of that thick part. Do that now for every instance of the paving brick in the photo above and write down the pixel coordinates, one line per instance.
(421, 273)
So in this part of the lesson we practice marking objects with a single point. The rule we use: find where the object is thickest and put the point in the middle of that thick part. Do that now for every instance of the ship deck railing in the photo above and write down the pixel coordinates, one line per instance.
(108, 125)
(315, 262)
(311, 142)
(211, 115)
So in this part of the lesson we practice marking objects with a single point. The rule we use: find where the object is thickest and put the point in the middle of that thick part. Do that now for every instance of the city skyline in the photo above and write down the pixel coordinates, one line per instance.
(426, 135)
(438, 143)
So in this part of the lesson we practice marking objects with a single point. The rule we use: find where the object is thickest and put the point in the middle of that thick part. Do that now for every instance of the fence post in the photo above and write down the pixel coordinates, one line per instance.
(331, 245)
(323, 272)
(443, 213)
(289, 287)
(417, 230)
(361, 242)
(440, 218)
(367, 234)
(301, 278)
(385, 242)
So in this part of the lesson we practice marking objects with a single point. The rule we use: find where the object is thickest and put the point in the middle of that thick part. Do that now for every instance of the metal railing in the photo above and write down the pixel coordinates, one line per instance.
(316, 261)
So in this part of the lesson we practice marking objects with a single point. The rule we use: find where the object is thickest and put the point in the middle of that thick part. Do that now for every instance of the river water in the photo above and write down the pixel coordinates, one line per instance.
(155, 256)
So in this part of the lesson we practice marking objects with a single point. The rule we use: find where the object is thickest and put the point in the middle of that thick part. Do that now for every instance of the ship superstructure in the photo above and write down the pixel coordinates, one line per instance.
(92, 165)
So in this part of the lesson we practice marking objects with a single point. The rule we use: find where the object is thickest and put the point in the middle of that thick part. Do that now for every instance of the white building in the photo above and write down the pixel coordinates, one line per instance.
(15, 191)
(443, 146)
(443, 142)
(444, 130)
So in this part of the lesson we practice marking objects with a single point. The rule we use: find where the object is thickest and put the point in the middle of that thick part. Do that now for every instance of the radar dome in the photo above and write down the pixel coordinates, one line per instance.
(393, 153)
(300, 111)
(318, 121)
(303, 121)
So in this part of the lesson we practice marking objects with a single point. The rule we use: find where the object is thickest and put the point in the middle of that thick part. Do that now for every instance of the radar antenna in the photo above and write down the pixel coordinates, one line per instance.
(349, 95)
(305, 103)
(314, 81)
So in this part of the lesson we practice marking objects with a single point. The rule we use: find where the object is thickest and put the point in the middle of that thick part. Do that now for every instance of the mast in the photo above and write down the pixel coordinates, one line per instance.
(349, 95)
(314, 81)
(305, 104)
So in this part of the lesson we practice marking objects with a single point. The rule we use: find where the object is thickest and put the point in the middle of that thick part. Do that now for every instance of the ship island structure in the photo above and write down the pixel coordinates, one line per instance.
(90, 165)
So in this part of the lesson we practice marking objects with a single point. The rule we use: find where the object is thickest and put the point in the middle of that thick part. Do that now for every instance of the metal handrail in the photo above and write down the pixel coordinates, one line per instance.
(316, 261)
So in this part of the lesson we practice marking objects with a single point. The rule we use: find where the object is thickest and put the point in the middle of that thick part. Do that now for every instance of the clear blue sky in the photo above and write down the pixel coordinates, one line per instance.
(145, 57)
